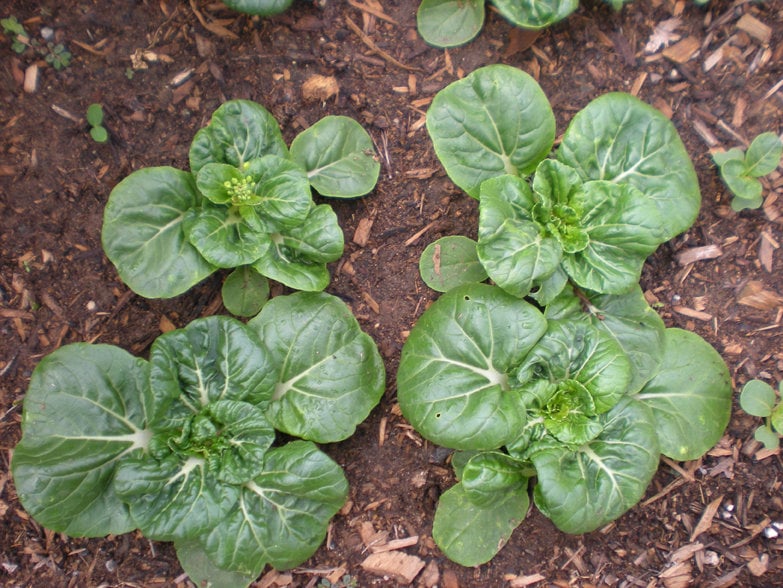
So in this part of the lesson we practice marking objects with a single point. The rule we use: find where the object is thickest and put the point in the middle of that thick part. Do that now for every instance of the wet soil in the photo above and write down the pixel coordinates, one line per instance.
(721, 86)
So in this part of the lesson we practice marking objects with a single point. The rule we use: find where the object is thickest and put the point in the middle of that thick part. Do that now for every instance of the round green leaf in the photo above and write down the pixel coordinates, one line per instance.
(471, 534)
(259, 7)
(450, 262)
(240, 130)
(583, 489)
(85, 411)
(331, 373)
(495, 121)
(452, 383)
(763, 155)
(757, 398)
(338, 155)
(143, 232)
(245, 291)
(449, 23)
(690, 396)
(202, 571)
(776, 418)
(535, 14)
(94, 115)
(99, 134)
(767, 437)
(282, 514)
(619, 138)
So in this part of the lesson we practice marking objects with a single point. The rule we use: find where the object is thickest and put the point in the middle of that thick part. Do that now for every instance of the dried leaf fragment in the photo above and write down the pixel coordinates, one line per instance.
(756, 296)
(319, 88)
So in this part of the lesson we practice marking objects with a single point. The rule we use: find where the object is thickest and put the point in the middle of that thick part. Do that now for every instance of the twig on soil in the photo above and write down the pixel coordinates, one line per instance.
(371, 44)
(371, 10)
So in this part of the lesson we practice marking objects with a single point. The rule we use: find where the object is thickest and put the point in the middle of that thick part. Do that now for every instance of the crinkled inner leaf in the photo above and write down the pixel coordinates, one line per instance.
(331, 372)
(452, 382)
(240, 130)
(282, 515)
(85, 411)
(619, 138)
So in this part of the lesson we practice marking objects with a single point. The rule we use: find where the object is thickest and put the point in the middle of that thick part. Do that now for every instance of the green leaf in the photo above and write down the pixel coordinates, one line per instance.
(512, 247)
(722, 157)
(211, 359)
(636, 327)
(245, 291)
(203, 572)
(259, 7)
(472, 534)
(297, 257)
(450, 262)
(767, 437)
(85, 411)
(495, 121)
(578, 351)
(449, 23)
(240, 130)
(583, 489)
(282, 514)
(746, 190)
(99, 134)
(490, 473)
(143, 232)
(535, 14)
(338, 155)
(623, 228)
(776, 418)
(223, 237)
(452, 382)
(690, 396)
(94, 115)
(332, 374)
(757, 398)
(619, 138)
(763, 155)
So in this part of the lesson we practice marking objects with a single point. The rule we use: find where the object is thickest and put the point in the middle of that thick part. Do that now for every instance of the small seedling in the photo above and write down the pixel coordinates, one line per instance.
(14, 29)
(56, 55)
(347, 581)
(759, 399)
(95, 119)
(740, 170)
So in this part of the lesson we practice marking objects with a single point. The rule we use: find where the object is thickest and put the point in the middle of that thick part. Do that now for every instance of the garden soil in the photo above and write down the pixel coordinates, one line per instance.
(161, 67)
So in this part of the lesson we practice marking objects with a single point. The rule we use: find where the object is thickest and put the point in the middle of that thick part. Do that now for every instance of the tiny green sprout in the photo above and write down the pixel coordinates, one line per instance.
(95, 119)
(14, 29)
(57, 56)
(759, 399)
(741, 170)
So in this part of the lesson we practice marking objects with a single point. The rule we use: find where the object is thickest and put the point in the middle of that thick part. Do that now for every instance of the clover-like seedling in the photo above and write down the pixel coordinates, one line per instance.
(759, 399)
(740, 170)
(20, 38)
(95, 119)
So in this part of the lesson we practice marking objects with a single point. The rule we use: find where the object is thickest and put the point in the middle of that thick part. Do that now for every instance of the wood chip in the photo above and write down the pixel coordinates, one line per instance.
(402, 567)
(362, 233)
(756, 296)
(767, 247)
(705, 522)
(758, 565)
(682, 51)
(523, 581)
(692, 313)
(395, 544)
(165, 324)
(376, 308)
(31, 79)
(677, 576)
(686, 552)
(688, 256)
(755, 28)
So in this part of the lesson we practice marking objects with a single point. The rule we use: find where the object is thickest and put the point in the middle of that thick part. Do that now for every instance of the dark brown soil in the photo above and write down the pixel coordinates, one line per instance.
(57, 287)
